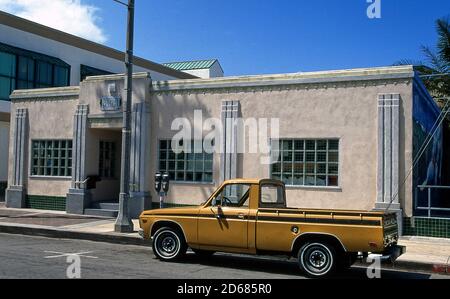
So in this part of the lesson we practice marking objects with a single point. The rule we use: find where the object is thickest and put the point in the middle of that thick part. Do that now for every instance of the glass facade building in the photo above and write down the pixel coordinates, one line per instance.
(23, 69)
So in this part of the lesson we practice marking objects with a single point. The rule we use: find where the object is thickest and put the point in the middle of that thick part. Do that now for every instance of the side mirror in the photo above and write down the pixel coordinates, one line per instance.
(219, 212)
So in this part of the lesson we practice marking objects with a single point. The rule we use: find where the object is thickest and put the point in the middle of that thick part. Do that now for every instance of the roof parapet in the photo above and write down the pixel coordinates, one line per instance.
(334, 76)
(54, 92)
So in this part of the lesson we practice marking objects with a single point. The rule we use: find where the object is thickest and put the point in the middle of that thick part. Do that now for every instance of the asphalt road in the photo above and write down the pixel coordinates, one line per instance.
(23, 257)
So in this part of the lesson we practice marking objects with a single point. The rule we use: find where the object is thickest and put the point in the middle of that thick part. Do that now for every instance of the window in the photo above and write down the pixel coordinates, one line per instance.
(44, 74)
(185, 167)
(86, 71)
(61, 76)
(107, 159)
(23, 69)
(25, 76)
(7, 75)
(272, 196)
(308, 163)
(52, 158)
(233, 195)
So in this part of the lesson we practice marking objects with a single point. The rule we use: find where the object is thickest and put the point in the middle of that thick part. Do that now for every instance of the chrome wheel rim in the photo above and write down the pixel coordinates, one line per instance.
(167, 244)
(316, 259)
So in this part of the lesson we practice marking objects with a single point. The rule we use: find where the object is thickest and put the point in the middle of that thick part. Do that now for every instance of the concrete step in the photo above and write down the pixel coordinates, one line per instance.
(106, 205)
(102, 212)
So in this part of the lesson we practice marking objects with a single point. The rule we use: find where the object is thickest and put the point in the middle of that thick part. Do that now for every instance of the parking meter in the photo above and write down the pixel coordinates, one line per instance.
(165, 183)
(158, 182)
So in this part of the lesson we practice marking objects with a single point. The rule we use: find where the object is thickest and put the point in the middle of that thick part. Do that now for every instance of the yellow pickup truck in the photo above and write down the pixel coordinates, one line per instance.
(250, 216)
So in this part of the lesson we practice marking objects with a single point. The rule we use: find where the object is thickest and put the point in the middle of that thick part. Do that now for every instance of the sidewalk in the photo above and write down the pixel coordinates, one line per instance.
(61, 225)
(422, 254)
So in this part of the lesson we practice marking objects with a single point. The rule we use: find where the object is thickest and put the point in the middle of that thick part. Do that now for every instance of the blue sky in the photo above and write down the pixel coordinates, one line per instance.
(268, 36)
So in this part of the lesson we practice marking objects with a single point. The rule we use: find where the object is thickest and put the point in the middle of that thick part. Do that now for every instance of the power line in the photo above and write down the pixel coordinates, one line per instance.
(435, 75)
(424, 146)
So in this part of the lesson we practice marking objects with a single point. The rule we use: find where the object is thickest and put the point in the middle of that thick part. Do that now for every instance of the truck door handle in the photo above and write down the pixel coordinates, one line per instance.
(241, 216)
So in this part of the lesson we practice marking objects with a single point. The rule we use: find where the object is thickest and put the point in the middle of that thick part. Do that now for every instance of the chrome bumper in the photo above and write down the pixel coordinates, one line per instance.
(141, 233)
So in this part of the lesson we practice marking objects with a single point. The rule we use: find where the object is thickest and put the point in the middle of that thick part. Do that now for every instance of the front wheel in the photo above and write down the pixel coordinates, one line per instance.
(168, 244)
(317, 260)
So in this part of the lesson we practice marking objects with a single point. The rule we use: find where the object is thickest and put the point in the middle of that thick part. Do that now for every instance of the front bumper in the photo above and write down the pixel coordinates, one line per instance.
(141, 233)
(391, 254)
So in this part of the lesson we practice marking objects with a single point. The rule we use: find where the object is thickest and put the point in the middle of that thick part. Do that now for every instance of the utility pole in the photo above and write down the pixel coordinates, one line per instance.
(124, 224)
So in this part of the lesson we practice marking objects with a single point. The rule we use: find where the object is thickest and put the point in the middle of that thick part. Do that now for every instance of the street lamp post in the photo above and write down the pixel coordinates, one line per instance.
(124, 224)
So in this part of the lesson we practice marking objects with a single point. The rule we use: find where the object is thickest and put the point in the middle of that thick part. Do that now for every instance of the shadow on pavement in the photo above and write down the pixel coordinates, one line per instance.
(288, 267)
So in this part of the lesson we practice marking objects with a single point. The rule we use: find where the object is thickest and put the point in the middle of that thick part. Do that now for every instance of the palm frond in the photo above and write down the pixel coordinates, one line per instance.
(436, 61)
(443, 45)
(408, 62)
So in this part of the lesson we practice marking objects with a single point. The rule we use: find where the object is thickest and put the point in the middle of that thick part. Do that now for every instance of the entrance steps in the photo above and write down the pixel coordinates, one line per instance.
(103, 209)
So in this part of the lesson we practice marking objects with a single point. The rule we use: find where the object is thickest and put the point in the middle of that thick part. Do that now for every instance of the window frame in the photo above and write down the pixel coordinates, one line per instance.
(185, 160)
(68, 158)
(304, 161)
(35, 58)
(272, 205)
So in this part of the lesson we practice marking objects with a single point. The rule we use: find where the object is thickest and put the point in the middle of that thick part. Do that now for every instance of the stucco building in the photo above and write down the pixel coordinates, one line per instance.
(36, 56)
(347, 139)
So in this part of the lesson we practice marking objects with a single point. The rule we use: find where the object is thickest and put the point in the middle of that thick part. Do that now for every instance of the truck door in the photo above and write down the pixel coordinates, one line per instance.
(224, 223)
(271, 234)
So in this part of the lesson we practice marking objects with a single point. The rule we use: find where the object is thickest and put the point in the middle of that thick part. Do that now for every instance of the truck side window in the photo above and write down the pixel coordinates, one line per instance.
(272, 196)
(233, 195)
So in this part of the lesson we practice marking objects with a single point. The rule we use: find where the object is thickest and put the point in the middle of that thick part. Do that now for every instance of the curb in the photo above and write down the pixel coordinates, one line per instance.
(413, 266)
(67, 234)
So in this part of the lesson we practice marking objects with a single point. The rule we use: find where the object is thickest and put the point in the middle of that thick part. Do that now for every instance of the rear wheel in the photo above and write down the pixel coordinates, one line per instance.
(169, 244)
(317, 259)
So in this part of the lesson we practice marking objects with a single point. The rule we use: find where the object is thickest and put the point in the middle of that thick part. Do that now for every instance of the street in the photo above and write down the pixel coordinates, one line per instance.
(24, 257)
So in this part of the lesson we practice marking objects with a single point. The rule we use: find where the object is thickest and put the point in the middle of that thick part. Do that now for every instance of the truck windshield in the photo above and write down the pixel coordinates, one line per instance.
(233, 195)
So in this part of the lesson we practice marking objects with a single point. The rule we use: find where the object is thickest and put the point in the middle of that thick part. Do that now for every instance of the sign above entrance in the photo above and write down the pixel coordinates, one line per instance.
(110, 103)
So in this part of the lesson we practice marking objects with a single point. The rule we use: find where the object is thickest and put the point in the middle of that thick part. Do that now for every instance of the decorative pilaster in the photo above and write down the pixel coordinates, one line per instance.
(228, 159)
(140, 199)
(78, 197)
(16, 193)
(388, 153)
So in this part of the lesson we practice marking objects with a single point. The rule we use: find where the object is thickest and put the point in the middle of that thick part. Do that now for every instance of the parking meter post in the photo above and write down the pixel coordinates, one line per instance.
(165, 188)
(161, 200)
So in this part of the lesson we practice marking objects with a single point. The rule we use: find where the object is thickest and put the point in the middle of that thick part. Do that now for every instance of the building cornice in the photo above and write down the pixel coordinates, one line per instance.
(287, 81)
(117, 77)
(59, 93)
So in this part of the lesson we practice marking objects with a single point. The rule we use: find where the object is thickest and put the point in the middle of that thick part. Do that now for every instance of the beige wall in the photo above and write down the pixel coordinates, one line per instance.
(93, 88)
(345, 111)
(50, 118)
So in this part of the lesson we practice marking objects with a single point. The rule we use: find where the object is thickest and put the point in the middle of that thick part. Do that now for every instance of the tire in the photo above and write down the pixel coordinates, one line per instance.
(169, 244)
(203, 253)
(317, 259)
